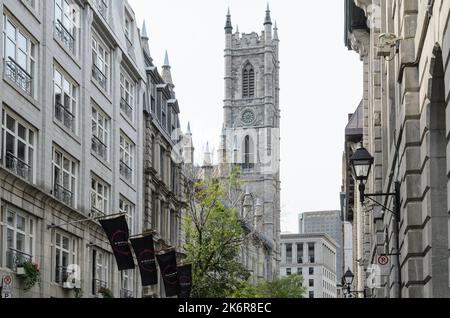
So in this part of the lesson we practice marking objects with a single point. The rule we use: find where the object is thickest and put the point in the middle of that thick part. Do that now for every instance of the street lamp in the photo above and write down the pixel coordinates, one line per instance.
(348, 278)
(347, 282)
(361, 163)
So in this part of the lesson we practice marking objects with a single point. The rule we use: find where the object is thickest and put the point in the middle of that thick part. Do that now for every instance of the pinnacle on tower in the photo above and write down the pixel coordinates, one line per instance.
(228, 25)
(189, 129)
(144, 31)
(166, 73)
(275, 32)
(268, 18)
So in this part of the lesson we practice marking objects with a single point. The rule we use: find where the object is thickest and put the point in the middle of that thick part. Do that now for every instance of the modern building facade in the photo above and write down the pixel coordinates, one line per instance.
(75, 86)
(313, 256)
(405, 128)
(330, 223)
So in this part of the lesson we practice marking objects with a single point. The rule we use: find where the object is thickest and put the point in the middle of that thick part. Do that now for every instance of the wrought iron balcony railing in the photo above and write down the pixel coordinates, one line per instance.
(126, 172)
(16, 258)
(66, 37)
(18, 75)
(64, 195)
(65, 116)
(99, 148)
(18, 167)
(124, 293)
(98, 286)
(126, 108)
(98, 75)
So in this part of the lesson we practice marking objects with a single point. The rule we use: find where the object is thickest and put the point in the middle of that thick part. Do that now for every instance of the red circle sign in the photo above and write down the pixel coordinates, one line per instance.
(383, 260)
(7, 280)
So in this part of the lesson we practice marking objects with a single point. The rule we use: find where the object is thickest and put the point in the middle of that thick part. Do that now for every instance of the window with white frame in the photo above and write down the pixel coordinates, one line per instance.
(99, 196)
(100, 133)
(126, 158)
(101, 274)
(127, 285)
(100, 60)
(128, 29)
(65, 172)
(64, 255)
(66, 21)
(18, 146)
(19, 54)
(65, 99)
(127, 95)
(19, 240)
(127, 208)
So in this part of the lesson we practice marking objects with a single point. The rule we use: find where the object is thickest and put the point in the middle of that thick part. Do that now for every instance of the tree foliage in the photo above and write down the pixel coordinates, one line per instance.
(285, 287)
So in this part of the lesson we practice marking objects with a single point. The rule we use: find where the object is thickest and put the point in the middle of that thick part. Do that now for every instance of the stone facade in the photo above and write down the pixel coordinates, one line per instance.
(406, 129)
(76, 121)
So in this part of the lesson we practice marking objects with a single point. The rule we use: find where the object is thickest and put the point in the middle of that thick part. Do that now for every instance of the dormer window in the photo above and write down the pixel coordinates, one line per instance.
(248, 81)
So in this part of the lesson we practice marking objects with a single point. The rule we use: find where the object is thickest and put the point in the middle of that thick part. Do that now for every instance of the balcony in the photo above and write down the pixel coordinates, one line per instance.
(64, 195)
(64, 115)
(98, 287)
(126, 172)
(19, 76)
(65, 36)
(98, 75)
(18, 167)
(124, 293)
(15, 259)
(99, 148)
(126, 109)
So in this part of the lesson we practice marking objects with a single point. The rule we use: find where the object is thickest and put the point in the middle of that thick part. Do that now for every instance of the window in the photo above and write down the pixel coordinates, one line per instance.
(311, 294)
(288, 271)
(100, 133)
(19, 55)
(311, 283)
(248, 81)
(65, 254)
(173, 228)
(162, 158)
(19, 142)
(311, 253)
(99, 196)
(20, 238)
(311, 271)
(127, 288)
(248, 153)
(164, 114)
(288, 253)
(126, 158)
(299, 253)
(101, 264)
(66, 23)
(64, 177)
(300, 271)
(127, 96)
(65, 101)
(100, 60)
(128, 29)
(154, 217)
(128, 208)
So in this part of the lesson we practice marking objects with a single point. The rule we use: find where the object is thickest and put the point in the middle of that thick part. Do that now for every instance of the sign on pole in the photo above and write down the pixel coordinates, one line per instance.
(7, 287)
(384, 261)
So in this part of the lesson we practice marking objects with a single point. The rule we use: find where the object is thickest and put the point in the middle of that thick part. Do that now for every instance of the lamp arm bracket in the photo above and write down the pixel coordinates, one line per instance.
(368, 196)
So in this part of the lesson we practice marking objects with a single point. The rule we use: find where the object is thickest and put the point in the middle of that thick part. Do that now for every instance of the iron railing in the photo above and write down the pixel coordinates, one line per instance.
(98, 286)
(18, 75)
(126, 108)
(16, 258)
(64, 115)
(124, 293)
(126, 171)
(66, 37)
(98, 75)
(18, 167)
(99, 147)
(64, 195)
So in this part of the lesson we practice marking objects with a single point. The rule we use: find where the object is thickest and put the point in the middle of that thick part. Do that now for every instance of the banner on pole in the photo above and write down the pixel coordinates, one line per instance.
(145, 254)
(118, 235)
(169, 272)
(185, 281)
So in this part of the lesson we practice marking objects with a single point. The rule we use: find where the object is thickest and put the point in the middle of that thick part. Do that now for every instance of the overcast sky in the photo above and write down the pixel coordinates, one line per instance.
(321, 82)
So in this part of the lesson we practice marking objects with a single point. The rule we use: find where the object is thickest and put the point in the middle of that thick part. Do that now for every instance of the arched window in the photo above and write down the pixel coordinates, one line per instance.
(248, 81)
(248, 153)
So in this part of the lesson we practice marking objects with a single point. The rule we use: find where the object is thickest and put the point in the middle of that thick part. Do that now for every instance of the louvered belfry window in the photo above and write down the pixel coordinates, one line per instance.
(248, 82)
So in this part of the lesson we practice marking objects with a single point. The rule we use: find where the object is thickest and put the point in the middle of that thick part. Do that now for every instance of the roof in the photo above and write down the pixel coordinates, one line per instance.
(311, 236)
(355, 125)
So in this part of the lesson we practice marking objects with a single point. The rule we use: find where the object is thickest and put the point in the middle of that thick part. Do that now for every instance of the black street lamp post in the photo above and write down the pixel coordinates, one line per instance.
(347, 282)
(361, 164)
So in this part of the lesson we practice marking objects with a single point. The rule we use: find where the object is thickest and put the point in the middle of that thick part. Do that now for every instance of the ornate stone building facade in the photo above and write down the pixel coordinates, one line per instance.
(406, 129)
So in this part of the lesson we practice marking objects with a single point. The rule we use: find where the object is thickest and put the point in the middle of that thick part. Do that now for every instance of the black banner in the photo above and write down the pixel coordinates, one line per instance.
(168, 266)
(118, 235)
(185, 281)
(145, 253)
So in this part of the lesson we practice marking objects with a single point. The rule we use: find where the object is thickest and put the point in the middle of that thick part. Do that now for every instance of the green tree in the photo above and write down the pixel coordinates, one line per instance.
(214, 235)
(285, 287)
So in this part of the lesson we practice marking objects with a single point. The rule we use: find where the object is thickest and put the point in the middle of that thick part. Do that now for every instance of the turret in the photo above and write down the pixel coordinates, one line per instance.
(166, 72)
(144, 41)
(188, 147)
(268, 27)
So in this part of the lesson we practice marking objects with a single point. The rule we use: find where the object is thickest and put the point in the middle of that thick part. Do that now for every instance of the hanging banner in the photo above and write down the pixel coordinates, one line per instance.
(185, 281)
(168, 266)
(145, 253)
(118, 235)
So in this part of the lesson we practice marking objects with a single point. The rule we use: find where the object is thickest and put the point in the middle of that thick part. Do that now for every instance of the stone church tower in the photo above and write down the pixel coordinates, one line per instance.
(250, 138)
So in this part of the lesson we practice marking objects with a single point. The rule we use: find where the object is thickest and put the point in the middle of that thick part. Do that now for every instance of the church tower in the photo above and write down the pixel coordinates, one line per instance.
(252, 122)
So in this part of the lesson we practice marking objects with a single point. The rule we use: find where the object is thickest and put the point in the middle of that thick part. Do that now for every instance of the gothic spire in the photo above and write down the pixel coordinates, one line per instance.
(189, 133)
(166, 73)
(144, 31)
(275, 32)
(228, 25)
(268, 18)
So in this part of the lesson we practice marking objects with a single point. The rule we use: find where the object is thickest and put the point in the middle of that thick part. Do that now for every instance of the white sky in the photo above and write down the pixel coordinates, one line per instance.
(321, 82)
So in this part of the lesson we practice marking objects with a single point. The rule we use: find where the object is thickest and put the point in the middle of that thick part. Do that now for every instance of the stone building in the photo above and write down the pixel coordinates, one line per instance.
(312, 256)
(406, 127)
(74, 97)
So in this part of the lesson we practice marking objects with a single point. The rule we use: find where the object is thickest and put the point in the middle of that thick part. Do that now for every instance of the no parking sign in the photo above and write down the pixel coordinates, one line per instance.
(7, 287)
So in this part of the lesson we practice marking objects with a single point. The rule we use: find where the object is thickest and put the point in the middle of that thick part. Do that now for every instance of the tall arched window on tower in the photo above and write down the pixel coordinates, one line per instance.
(248, 81)
(248, 153)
